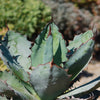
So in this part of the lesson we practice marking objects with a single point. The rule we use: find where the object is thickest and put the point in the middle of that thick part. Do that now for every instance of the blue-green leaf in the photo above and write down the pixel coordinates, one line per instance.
(84, 89)
(12, 64)
(19, 48)
(79, 59)
(39, 48)
(58, 47)
(48, 52)
(8, 82)
(49, 81)
(80, 39)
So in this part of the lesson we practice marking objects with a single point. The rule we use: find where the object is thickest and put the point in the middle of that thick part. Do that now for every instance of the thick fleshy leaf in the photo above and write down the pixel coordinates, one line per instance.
(48, 53)
(84, 89)
(59, 45)
(80, 39)
(77, 42)
(79, 59)
(13, 64)
(49, 81)
(10, 57)
(42, 50)
(12, 87)
(39, 48)
(19, 48)
(3, 98)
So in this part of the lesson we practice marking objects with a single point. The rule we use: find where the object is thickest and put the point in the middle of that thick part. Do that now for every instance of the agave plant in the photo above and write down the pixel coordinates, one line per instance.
(45, 70)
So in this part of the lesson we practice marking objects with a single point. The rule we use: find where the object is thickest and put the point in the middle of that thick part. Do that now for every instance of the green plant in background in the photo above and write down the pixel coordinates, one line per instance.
(26, 17)
(2, 65)
(47, 70)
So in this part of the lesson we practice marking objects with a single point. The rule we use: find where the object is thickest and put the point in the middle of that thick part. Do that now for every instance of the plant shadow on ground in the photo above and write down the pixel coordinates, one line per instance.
(92, 96)
(82, 74)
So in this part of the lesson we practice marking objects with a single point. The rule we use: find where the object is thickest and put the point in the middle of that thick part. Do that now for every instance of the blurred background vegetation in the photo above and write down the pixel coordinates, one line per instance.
(28, 17)
(75, 17)
(24, 16)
